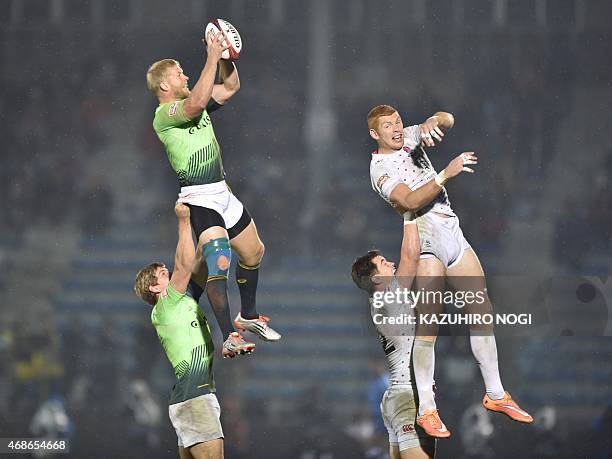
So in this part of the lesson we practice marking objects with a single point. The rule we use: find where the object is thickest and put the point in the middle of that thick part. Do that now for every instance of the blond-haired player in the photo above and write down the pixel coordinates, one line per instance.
(220, 221)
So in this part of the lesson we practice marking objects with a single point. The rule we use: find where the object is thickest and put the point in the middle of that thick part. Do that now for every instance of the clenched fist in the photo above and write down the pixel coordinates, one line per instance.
(181, 210)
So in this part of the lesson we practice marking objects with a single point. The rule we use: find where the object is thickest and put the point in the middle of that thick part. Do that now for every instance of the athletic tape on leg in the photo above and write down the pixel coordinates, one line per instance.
(212, 251)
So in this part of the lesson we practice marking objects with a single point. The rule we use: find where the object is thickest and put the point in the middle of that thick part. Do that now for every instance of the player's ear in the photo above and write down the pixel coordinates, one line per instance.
(155, 288)
(164, 86)
(375, 279)
(374, 134)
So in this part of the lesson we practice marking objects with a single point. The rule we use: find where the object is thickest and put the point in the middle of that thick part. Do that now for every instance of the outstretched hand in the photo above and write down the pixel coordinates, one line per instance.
(460, 163)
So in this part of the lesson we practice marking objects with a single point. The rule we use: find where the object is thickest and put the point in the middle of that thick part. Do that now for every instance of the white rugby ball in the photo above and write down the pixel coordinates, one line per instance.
(235, 42)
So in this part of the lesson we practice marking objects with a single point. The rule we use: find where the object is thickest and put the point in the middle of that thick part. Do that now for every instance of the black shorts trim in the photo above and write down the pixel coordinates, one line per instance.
(240, 226)
(203, 218)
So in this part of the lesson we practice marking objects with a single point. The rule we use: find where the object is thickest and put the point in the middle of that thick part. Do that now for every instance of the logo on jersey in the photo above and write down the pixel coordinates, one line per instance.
(420, 159)
(408, 428)
(195, 324)
(204, 122)
(172, 109)
(382, 180)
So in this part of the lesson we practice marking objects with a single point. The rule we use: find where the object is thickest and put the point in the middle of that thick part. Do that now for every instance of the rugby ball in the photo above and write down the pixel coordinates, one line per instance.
(235, 42)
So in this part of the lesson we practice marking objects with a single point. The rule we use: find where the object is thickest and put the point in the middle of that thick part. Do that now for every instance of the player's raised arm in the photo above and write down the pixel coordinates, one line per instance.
(435, 127)
(185, 251)
(410, 253)
(199, 97)
(230, 82)
(408, 200)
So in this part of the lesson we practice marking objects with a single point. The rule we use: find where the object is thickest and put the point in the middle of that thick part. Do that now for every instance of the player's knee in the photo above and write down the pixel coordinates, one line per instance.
(254, 256)
(218, 256)
(261, 250)
(223, 263)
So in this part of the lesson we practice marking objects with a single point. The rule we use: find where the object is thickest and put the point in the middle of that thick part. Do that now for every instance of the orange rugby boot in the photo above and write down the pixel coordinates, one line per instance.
(507, 406)
(433, 426)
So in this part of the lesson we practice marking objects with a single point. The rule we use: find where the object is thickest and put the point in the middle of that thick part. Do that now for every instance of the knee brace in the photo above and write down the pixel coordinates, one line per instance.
(212, 251)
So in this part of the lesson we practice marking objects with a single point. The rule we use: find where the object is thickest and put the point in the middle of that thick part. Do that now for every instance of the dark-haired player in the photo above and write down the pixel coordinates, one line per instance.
(376, 275)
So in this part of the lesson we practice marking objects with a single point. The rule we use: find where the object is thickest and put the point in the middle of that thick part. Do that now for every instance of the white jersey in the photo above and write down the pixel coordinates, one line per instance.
(410, 166)
(397, 340)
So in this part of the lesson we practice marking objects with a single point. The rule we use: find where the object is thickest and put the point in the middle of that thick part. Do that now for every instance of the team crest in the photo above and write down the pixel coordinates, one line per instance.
(381, 181)
(407, 428)
(173, 108)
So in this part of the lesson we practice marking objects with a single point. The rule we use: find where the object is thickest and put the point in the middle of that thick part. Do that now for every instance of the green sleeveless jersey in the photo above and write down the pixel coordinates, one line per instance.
(185, 336)
(191, 145)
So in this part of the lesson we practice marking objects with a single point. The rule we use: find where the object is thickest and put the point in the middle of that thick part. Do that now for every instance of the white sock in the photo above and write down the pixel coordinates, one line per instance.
(424, 362)
(485, 352)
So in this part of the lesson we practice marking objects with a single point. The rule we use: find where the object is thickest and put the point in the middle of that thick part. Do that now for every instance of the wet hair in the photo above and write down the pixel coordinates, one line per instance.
(157, 73)
(144, 279)
(377, 112)
(363, 269)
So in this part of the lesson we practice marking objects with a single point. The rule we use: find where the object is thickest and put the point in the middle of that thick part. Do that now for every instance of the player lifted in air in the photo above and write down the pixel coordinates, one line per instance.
(373, 273)
(185, 337)
(402, 174)
(221, 223)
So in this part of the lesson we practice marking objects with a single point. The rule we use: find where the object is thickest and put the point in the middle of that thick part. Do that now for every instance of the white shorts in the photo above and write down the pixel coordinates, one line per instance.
(196, 420)
(441, 237)
(216, 196)
(399, 413)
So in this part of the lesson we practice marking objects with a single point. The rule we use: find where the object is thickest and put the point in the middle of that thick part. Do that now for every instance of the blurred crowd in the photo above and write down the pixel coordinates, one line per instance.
(56, 133)
(571, 249)
(78, 383)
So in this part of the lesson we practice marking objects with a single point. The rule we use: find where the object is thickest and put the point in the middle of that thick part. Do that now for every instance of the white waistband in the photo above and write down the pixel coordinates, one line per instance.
(209, 188)
(400, 385)
(437, 214)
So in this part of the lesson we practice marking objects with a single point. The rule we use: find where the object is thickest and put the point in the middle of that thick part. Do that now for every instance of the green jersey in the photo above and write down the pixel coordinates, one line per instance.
(185, 336)
(191, 145)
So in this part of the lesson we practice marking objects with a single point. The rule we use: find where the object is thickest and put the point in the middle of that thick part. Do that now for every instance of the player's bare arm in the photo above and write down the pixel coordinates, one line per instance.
(406, 199)
(185, 251)
(200, 95)
(409, 255)
(230, 82)
(435, 127)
